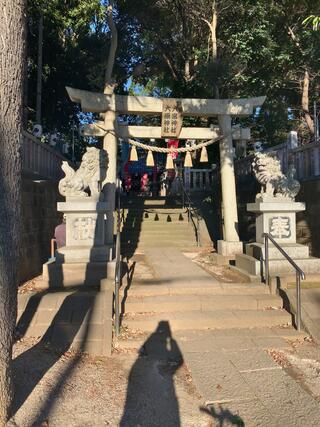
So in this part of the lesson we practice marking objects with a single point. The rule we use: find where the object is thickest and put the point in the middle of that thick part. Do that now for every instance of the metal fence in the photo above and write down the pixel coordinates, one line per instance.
(39, 160)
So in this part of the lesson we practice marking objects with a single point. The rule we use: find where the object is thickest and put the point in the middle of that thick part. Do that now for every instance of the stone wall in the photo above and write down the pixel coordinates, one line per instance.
(308, 222)
(39, 218)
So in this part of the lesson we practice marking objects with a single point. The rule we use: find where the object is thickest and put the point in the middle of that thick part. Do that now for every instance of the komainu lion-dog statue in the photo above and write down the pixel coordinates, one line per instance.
(274, 183)
(88, 178)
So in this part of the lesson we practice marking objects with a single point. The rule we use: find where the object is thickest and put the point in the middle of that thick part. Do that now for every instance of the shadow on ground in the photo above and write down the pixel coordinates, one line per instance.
(151, 398)
(223, 417)
(70, 325)
(56, 342)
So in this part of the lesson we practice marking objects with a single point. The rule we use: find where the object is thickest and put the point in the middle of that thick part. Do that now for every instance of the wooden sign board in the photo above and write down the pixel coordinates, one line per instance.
(171, 118)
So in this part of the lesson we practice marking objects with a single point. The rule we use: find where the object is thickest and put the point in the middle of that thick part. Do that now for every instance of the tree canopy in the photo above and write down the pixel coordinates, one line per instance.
(184, 49)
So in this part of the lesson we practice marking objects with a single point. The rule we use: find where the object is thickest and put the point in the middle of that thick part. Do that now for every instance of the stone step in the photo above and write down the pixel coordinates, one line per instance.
(141, 212)
(66, 275)
(172, 303)
(79, 320)
(155, 238)
(161, 223)
(305, 284)
(151, 204)
(152, 208)
(160, 219)
(219, 319)
(170, 229)
(151, 243)
(146, 288)
(154, 231)
(86, 336)
(168, 234)
(264, 338)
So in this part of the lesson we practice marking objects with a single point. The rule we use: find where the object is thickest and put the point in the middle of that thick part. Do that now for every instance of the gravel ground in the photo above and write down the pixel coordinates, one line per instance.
(125, 390)
(122, 390)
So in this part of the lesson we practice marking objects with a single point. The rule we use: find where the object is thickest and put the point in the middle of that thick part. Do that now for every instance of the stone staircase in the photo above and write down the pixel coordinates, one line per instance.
(201, 303)
(157, 222)
(78, 319)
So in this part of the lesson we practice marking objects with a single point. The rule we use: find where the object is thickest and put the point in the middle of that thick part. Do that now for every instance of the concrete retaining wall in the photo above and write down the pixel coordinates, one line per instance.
(39, 218)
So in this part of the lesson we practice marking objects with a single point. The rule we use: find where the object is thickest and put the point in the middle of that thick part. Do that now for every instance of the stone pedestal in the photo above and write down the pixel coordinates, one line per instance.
(276, 216)
(86, 259)
(85, 231)
(229, 249)
(88, 213)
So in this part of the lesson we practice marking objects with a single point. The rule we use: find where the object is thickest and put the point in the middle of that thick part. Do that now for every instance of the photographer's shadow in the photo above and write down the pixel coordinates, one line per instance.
(151, 398)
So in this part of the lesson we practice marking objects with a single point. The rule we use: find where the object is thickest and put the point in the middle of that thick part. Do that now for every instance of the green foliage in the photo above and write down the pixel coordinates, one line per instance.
(74, 40)
(256, 53)
(164, 49)
(313, 20)
(75, 51)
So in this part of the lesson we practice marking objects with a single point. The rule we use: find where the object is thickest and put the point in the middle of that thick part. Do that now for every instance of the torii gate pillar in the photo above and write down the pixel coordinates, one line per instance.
(230, 245)
(110, 145)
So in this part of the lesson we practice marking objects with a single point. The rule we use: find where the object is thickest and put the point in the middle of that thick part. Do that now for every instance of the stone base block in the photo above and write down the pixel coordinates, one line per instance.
(294, 250)
(58, 275)
(84, 254)
(249, 264)
(308, 266)
(249, 278)
(218, 259)
(227, 248)
(278, 267)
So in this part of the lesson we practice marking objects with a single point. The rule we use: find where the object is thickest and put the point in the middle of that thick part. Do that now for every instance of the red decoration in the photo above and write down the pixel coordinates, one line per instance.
(173, 143)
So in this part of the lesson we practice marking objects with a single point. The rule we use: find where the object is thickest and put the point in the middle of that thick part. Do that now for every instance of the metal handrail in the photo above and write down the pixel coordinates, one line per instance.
(117, 280)
(190, 208)
(299, 273)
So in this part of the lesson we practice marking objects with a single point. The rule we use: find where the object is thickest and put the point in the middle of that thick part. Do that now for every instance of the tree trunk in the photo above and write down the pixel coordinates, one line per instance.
(214, 31)
(108, 89)
(12, 60)
(214, 45)
(305, 102)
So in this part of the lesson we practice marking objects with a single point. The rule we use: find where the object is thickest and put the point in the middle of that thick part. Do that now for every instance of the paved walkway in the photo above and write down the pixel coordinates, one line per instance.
(173, 268)
(239, 382)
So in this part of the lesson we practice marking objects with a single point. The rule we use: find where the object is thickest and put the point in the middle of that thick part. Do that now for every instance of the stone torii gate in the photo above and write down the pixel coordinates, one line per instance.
(113, 105)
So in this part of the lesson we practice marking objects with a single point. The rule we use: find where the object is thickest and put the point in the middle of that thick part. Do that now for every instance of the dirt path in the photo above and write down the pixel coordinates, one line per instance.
(93, 392)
